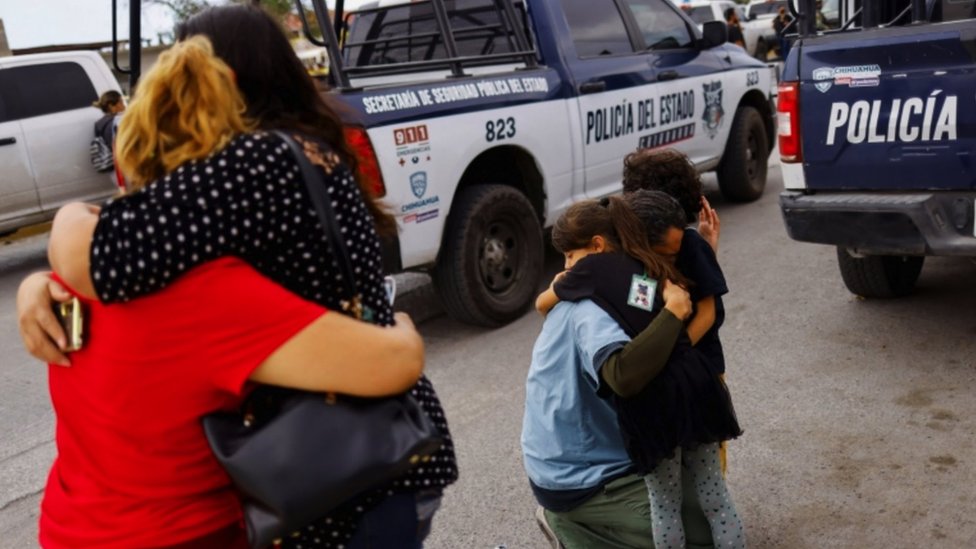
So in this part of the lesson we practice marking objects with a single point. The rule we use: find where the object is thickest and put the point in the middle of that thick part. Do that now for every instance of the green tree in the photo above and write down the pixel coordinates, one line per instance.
(182, 9)
(278, 8)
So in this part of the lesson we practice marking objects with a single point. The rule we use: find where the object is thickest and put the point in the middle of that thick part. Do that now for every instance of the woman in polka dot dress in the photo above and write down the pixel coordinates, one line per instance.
(248, 200)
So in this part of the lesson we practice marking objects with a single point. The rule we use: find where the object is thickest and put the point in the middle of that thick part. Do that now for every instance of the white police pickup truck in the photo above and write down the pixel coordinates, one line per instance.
(481, 121)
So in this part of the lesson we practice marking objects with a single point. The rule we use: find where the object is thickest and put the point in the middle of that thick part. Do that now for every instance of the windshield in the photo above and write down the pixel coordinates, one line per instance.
(766, 8)
(699, 14)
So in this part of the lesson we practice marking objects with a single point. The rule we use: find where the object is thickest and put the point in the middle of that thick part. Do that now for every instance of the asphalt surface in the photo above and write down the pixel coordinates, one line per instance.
(858, 414)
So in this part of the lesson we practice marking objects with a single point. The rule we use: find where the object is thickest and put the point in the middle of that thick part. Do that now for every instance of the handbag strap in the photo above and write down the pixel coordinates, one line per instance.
(316, 185)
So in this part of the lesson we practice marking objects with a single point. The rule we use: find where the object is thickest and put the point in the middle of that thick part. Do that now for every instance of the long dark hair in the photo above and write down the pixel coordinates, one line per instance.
(278, 91)
(612, 219)
(658, 212)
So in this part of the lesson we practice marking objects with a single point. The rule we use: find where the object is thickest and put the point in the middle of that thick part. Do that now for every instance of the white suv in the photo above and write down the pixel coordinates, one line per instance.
(46, 125)
(760, 15)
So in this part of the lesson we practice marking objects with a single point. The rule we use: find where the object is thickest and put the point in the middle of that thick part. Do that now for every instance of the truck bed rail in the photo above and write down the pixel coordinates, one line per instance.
(435, 34)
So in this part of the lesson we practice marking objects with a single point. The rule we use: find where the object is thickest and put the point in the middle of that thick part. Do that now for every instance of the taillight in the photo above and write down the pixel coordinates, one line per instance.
(788, 122)
(369, 168)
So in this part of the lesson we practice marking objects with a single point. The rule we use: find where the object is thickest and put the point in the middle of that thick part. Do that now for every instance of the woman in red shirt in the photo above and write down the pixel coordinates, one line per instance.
(133, 466)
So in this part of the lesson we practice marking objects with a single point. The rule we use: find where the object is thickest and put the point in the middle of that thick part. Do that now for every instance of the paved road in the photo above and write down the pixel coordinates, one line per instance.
(859, 415)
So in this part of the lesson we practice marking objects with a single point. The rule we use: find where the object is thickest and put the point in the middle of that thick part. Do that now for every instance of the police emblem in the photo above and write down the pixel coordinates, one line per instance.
(418, 183)
(714, 114)
(824, 77)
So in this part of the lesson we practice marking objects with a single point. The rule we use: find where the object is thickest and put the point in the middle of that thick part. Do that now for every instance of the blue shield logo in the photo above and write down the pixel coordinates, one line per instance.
(418, 184)
(824, 78)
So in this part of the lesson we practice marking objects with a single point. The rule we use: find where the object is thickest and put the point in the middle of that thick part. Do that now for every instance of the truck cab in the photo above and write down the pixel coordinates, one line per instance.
(46, 126)
(877, 135)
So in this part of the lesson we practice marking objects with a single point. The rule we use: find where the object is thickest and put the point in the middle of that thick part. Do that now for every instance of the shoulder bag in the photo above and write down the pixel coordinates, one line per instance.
(305, 454)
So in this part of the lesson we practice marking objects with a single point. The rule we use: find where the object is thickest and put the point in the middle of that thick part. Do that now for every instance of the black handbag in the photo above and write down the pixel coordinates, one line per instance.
(294, 455)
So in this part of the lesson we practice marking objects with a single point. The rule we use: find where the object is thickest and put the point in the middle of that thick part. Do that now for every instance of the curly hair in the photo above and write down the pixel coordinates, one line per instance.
(186, 108)
(668, 171)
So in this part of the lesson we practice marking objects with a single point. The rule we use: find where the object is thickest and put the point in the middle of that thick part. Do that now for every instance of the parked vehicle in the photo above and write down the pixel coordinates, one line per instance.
(759, 16)
(46, 127)
(876, 135)
(702, 11)
(481, 121)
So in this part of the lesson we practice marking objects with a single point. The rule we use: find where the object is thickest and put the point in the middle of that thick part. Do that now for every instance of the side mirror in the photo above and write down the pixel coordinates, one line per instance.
(752, 16)
(714, 33)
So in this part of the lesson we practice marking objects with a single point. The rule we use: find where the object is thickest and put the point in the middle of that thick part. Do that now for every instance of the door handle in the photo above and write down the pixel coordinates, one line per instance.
(667, 75)
(7, 141)
(593, 87)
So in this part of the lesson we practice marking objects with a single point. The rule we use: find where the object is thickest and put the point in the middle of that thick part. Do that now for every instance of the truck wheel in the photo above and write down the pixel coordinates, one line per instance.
(490, 262)
(742, 171)
(879, 275)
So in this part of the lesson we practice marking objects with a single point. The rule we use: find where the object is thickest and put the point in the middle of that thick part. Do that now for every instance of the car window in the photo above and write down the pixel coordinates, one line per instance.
(3, 95)
(700, 14)
(36, 90)
(765, 8)
(659, 24)
(597, 27)
(409, 32)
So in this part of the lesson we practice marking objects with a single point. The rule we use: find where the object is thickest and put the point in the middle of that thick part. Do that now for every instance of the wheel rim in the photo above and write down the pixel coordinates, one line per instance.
(752, 157)
(498, 257)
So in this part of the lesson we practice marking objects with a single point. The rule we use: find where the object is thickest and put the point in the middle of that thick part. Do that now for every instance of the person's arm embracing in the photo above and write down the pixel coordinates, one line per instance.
(704, 319)
(69, 249)
(336, 353)
(628, 370)
(548, 298)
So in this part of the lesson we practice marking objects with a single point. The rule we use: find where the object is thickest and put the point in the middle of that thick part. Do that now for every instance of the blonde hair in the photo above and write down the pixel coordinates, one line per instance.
(185, 108)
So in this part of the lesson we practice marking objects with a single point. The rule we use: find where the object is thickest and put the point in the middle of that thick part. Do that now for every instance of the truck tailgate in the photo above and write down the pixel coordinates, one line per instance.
(878, 117)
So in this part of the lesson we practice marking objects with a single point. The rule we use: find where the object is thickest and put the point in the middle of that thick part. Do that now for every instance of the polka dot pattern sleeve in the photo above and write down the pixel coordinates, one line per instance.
(249, 200)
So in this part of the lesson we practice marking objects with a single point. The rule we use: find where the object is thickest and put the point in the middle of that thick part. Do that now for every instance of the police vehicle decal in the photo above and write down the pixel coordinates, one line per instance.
(412, 145)
(420, 193)
(859, 76)
(403, 104)
(687, 113)
(908, 120)
(714, 113)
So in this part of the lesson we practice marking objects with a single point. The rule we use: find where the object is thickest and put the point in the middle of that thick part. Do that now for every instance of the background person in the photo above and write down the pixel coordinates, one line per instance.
(780, 24)
(735, 29)
(243, 205)
(112, 105)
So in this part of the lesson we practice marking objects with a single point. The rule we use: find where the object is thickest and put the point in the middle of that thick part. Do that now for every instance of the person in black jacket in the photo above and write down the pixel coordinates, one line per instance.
(112, 104)
(735, 30)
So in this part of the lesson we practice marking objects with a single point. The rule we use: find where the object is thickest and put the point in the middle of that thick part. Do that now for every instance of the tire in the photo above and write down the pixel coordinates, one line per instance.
(762, 50)
(491, 258)
(879, 276)
(742, 171)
